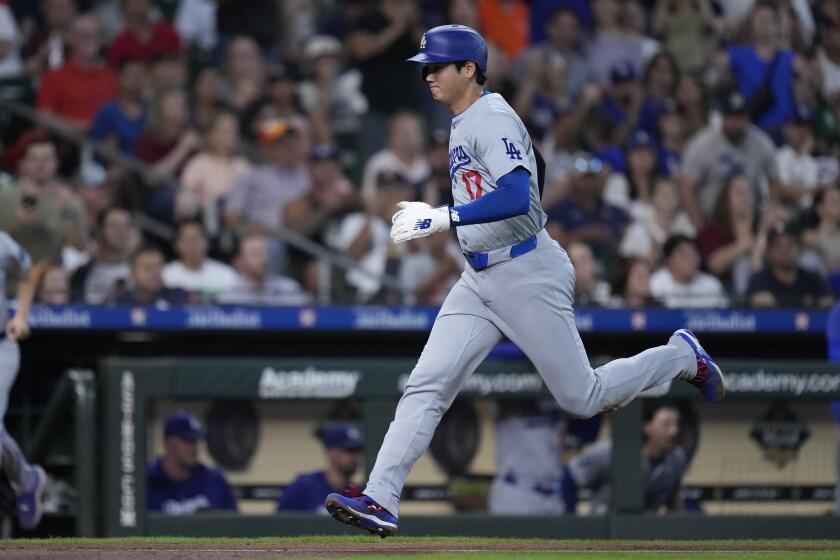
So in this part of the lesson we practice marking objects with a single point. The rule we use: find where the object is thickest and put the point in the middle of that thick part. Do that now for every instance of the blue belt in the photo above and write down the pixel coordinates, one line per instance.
(480, 261)
(544, 489)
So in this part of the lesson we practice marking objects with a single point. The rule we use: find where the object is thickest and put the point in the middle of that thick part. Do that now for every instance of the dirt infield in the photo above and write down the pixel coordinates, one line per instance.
(261, 549)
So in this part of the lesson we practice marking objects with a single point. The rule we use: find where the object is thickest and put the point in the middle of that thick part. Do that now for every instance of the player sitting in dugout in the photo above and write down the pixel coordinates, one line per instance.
(343, 445)
(664, 464)
(178, 483)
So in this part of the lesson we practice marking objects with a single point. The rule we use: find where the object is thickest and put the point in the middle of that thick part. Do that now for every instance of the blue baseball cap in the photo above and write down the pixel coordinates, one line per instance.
(640, 138)
(183, 425)
(341, 435)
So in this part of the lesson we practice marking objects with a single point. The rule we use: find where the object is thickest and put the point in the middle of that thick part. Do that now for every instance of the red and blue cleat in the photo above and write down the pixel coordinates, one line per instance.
(709, 379)
(357, 510)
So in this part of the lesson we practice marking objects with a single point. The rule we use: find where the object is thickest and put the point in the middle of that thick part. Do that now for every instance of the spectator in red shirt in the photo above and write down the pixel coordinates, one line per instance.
(76, 90)
(142, 38)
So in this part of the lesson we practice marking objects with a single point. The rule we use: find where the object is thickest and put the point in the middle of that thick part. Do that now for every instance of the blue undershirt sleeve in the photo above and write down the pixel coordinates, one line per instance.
(512, 197)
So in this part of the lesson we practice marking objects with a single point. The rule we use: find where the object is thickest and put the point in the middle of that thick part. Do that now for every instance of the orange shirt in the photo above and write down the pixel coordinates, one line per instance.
(506, 23)
(76, 93)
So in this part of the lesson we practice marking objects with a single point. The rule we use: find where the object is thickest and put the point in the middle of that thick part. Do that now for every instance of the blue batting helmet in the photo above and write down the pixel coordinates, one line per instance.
(452, 43)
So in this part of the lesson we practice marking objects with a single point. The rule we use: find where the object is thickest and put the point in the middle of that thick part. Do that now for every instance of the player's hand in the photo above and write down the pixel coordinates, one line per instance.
(418, 219)
(17, 328)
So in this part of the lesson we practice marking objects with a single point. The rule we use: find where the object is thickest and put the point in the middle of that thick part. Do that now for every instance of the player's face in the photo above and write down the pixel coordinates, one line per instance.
(345, 460)
(663, 429)
(445, 82)
(183, 452)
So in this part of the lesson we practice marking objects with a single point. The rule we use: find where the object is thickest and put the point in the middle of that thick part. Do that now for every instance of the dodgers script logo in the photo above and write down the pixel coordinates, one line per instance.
(458, 158)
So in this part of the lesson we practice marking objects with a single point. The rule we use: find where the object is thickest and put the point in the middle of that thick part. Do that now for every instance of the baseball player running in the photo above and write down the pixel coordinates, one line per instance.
(518, 284)
(26, 480)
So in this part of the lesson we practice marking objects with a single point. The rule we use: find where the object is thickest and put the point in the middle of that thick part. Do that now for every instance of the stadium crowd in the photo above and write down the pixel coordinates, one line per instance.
(691, 146)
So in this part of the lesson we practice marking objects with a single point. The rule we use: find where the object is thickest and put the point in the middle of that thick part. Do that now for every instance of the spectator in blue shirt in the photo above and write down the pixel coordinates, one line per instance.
(764, 72)
(177, 483)
(120, 122)
(583, 215)
(343, 444)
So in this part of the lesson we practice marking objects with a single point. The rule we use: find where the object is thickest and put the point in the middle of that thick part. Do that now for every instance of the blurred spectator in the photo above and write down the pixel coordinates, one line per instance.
(10, 43)
(656, 221)
(437, 190)
(365, 237)
(167, 142)
(632, 191)
(543, 10)
(530, 443)
(40, 212)
(331, 196)
(633, 22)
(403, 155)
(799, 172)
(195, 22)
(206, 97)
(660, 84)
(610, 45)
(429, 268)
(177, 483)
(783, 283)
(505, 22)
(45, 46)
(631, 285)
(120, 122)
(282, 90)
(193, 271)
(380, 41)
(142, 37)
(343, 446)
(255, 285)
(210, 175)
(728, 241)
(167, 70)
(107, 271)
(541, 97)
(622, 102)
(824, 237)
(563, 37)
(680, 283)
(671, 136)
(828, 57)
(259, 199)
(686, 28)
(691, 104)
(665, 463)
(835, 413)
(583, 215)
(77, 89)
(146, 286)
(590, 290)
(714, 154)
(763, 70)
(331, 95)
(245, 72)
(55, 286)
(257, 19)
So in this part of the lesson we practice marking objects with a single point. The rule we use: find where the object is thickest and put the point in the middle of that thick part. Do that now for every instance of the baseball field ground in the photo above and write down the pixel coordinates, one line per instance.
(361, 547)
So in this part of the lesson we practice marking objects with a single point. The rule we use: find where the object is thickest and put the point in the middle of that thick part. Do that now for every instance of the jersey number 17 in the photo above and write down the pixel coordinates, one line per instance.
(472, 179)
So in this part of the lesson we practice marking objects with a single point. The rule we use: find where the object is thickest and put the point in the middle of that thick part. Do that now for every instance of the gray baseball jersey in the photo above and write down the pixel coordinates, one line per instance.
(14, 264)
(527, 298)
(591, 469)
(488, 141)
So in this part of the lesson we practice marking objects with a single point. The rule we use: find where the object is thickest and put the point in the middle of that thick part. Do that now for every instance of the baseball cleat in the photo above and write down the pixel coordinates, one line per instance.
(709, 379)
(30, 505)
(358, 510)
